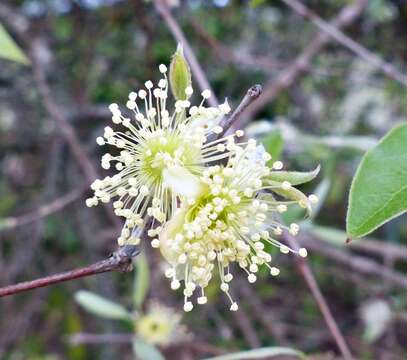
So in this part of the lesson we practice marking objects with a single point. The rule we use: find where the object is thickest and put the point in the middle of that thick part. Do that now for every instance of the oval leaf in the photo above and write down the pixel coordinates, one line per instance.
(294, 177)
(379, 188)
(9, 49)
(261, 353)
(101, 306)
(180, 74)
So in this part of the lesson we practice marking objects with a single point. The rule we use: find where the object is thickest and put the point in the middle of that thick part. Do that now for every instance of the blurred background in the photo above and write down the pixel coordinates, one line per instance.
(322, 104)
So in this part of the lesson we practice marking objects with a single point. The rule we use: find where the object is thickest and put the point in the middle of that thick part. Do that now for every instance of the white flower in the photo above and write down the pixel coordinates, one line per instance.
(160, 326)
(232, 221)
(159, 155)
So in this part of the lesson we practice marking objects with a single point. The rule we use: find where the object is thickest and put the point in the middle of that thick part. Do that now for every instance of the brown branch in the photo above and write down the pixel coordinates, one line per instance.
(43, 211)
(346, 41)
(120, 260)
(179, 36)
(306, 272)
(288, 76)
(252, 94)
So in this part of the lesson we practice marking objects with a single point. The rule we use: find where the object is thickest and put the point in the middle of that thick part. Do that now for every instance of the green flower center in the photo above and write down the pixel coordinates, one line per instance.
(166, 149)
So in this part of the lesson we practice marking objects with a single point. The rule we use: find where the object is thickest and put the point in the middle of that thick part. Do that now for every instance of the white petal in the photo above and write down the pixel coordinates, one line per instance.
(182, 182)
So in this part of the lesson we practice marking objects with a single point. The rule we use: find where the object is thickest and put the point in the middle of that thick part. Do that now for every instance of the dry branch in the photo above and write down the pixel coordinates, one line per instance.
(43, 211)
(120, 260)
(346, 41)
(251, 96)
(306, 272)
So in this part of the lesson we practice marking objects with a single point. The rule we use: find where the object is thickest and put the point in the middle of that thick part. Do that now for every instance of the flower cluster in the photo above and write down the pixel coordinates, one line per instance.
(232, 221)
(214, 202)
(159, 154)
(160, 325)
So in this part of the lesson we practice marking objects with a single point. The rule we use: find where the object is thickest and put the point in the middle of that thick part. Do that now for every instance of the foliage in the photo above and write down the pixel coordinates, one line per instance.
(101, 306)
(379, 189)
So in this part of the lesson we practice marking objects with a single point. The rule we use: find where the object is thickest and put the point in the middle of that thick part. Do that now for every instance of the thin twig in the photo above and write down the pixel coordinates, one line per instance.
(41, 212)
(288, 76)
(227, 55)
(360, 264)
(176, 31)
(252, 94)
(88, 338)
(306, 273)
(346, 41)
(67, 130)
(120, 260)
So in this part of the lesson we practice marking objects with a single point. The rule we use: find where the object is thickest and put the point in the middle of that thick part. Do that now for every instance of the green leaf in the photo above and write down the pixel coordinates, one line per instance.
(101, 306)
(379, 188)
(273, 143)
(141, 281)
(180, 74)
(9, 49)
(294, 177)
(261, 353)
(145, 351)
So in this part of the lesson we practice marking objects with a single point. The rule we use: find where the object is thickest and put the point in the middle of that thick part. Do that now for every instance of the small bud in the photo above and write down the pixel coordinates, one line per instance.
(180, 75)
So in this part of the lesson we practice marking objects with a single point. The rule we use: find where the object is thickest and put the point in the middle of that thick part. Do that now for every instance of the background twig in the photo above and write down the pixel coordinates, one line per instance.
(199, 74)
